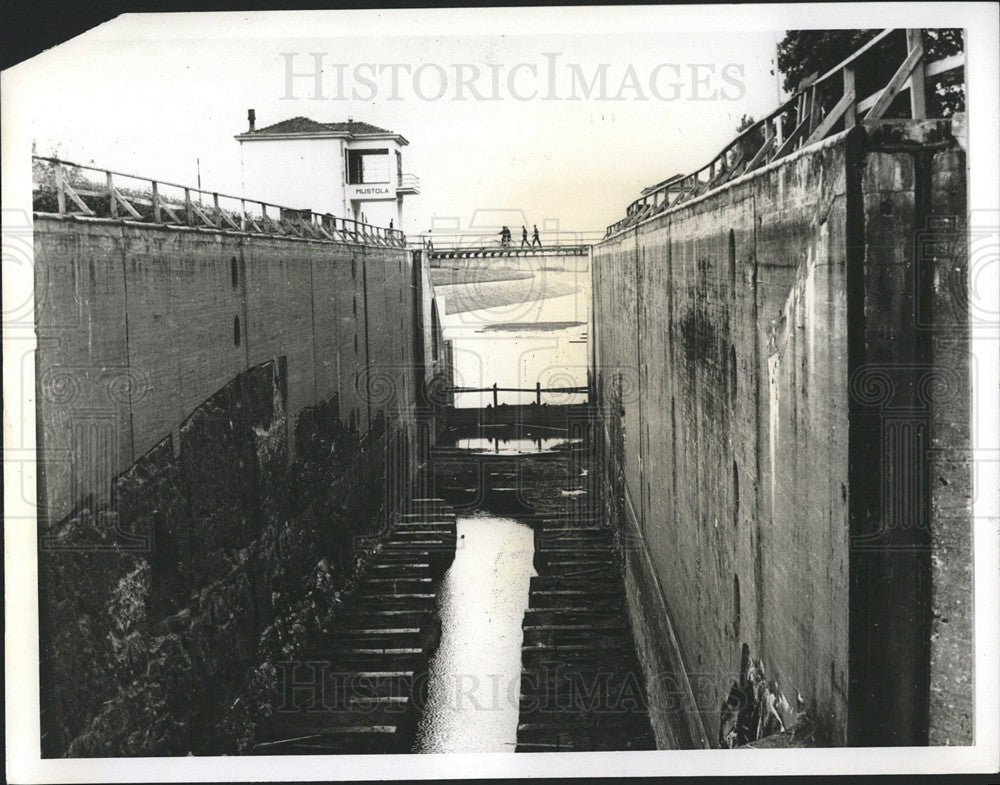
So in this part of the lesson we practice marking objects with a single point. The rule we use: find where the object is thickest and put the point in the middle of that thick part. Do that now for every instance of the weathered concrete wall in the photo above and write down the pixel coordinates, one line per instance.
(724, 333)
(138, 325)
(196, 475)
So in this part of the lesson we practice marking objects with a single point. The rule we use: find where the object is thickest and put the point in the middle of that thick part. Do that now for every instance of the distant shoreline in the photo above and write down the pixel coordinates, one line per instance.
(533, 326)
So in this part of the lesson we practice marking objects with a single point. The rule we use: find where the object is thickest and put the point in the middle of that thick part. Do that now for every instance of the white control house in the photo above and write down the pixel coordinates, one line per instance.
(348, 169)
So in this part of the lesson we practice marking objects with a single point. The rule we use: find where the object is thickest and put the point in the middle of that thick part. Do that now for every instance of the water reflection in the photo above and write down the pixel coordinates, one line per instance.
(514, 446)
(475, 675)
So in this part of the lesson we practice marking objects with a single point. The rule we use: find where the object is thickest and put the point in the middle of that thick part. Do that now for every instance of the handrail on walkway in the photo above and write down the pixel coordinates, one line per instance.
(467, 252)
(537, 389)
(822, 107)
(75, 194)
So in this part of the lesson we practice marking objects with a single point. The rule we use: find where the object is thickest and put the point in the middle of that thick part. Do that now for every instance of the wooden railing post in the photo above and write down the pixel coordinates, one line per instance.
(814, 110)
(538, 393)
(156, 202)
(918, 97)
(851, 115)
(60, 188)
(112, 203)
(188, 207)
(495, 395)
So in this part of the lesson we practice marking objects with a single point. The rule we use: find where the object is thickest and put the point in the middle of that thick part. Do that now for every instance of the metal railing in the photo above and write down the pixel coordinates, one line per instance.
(488, 240)
(821, 108)
(537, 390)
(71, 193)
(467, 252)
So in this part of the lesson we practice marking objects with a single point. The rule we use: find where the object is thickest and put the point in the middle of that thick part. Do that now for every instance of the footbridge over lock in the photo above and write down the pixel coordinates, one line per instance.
(749, 527)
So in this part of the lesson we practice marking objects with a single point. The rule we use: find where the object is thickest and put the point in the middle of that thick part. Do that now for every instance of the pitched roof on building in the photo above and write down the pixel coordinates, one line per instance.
(303, 125)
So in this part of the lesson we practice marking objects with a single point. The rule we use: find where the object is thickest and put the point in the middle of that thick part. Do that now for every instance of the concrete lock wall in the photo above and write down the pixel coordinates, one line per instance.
(748, 346)
(138, 325)
(222, 419)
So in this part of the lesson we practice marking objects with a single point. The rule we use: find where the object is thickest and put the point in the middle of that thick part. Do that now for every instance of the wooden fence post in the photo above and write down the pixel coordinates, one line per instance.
(112, 204)
(918, 98)
(851, 115)
(156, 202)
(60, 188)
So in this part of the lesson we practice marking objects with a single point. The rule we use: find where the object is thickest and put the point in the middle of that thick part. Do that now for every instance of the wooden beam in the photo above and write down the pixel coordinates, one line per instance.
(857, 53)
(891, 90)
(228, 219)
(170, 212)
(851, 113)
(124, 203)
(60, 188)
(813, 109)
(726, 174)
(949, 63)
(846, 101)
(222, 215)
(761, 154)
(156, 202)
(918, 100)
(196, 210)
(68, 190)
(789, 143)
(112, 203)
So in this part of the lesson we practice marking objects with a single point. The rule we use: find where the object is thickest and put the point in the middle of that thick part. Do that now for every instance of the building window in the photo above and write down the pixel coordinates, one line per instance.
(367, 166)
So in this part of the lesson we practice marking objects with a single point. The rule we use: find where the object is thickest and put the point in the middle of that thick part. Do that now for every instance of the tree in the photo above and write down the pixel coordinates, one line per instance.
(804, 53)
(811, 53)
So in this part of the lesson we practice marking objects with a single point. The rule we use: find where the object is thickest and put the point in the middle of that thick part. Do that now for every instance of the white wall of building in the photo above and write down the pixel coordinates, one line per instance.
(312, 174)
(380, 213)
(297, 173)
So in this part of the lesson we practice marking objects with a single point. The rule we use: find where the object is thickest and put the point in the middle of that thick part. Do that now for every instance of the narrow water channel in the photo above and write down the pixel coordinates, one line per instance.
(474, 678)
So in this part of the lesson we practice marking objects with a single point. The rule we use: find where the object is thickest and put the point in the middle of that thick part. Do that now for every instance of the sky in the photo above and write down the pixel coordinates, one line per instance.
(161, 95)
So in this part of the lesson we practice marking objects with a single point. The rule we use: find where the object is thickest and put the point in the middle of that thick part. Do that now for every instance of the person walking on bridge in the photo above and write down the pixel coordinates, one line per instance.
(524, 236)
(535, 239)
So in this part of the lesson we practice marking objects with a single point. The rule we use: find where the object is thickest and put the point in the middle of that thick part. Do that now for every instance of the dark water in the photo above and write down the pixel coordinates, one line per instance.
(475, 675)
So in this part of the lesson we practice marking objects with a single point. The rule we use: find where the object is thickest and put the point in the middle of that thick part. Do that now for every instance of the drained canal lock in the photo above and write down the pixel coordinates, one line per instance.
(474, 677)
